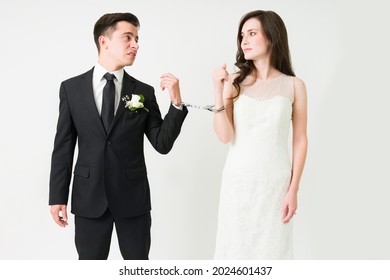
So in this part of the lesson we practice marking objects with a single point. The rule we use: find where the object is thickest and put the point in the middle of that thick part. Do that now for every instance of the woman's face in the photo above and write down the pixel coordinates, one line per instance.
(254, 44)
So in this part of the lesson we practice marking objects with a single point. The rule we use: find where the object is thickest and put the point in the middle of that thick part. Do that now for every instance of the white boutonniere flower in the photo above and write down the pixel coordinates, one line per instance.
(136, 102)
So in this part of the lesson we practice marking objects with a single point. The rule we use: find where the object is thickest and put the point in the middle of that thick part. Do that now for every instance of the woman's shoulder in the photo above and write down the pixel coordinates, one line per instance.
(298, 82)
(299, 87)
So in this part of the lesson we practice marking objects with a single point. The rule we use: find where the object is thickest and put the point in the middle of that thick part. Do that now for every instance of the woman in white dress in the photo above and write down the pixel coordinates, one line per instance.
(260, 182)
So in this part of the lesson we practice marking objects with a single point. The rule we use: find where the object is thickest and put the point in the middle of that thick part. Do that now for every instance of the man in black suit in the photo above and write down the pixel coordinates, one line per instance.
(110, 184)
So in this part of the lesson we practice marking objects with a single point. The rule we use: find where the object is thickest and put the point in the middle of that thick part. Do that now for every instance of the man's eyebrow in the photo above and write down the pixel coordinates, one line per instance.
(131, 34)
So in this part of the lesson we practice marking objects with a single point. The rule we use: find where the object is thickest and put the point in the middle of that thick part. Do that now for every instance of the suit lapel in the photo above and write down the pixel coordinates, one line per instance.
(90, 99)
(128, 86)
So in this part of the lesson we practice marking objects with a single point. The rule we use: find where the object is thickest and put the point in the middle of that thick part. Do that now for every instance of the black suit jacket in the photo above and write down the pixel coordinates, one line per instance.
(110, 170)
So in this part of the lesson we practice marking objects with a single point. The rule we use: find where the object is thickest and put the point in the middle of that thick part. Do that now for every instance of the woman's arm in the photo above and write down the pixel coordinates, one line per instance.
(299, 147)
(224, 90)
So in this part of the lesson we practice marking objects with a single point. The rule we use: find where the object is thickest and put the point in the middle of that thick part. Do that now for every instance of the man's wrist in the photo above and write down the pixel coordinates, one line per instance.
(177, 105)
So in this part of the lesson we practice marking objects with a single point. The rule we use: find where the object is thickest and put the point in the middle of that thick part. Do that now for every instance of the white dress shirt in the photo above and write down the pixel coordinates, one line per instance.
(98, 83)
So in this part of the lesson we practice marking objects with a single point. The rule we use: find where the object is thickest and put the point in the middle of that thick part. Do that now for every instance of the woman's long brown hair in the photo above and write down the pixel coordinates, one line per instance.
(274, 30)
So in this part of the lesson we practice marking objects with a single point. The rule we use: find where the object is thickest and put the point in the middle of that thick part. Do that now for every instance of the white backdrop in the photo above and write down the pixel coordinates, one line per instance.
(339, 48)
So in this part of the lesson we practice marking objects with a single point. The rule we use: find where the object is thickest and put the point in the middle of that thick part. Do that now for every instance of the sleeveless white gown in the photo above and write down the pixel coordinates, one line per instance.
(257, 174)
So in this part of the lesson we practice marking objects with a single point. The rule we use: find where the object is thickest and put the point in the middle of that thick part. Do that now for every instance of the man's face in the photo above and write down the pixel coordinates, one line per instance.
(122, 46)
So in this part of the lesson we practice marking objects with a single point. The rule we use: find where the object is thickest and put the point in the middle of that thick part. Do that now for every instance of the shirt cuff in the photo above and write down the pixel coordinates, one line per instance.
(180, 107)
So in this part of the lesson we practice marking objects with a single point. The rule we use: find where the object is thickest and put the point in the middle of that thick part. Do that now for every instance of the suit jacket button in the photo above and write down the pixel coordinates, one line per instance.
(108, 143)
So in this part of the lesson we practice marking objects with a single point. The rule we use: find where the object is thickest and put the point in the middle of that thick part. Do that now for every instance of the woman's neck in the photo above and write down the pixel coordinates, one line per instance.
(264, 70)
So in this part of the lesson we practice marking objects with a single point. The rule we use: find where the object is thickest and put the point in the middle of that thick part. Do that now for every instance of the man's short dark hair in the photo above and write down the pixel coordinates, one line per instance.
(106, 25)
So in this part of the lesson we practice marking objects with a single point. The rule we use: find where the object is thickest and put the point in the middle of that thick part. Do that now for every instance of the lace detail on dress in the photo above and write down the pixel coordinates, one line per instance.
(281, 85)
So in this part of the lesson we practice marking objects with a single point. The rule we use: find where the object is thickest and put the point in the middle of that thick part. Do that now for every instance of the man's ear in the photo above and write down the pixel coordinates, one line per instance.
(103, 42)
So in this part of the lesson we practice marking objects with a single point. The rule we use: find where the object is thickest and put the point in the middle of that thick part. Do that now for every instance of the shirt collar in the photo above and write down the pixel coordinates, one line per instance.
(99, 71)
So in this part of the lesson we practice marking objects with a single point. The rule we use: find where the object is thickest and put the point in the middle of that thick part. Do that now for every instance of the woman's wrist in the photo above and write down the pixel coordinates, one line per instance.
(294, 188)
